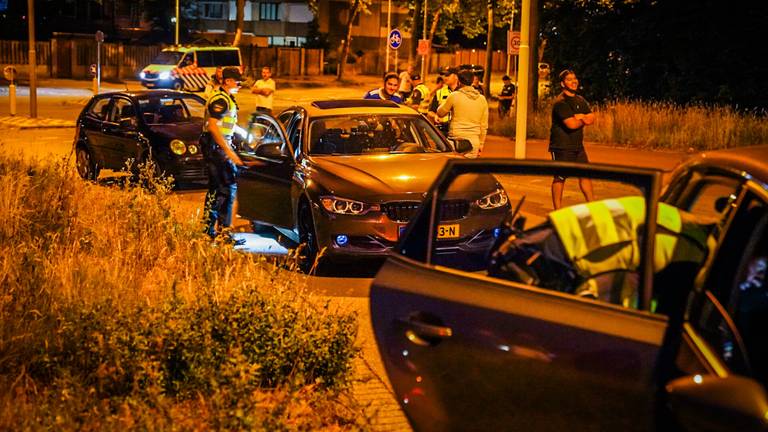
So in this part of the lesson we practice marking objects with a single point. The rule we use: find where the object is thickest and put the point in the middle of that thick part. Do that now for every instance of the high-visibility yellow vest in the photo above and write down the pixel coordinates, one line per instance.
(602, 236)
(441, 95)
(228, 122)
(424, 104)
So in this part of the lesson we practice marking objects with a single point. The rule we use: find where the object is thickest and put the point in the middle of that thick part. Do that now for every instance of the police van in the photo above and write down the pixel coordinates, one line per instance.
(188, 67)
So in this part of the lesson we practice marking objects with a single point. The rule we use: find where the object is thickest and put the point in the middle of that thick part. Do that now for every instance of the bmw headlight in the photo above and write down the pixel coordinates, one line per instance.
(344, 206)
(164, 75)
(493, 200)
(178, 147)
(192, 149)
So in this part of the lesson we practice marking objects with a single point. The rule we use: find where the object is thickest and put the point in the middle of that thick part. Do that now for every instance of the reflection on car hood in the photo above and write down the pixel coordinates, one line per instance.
(380, 174)
(187, 132)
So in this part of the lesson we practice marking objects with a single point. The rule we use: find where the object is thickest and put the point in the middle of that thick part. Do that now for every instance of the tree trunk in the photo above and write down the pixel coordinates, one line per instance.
(488, 51)
(432, 30)
(240, 19)
(417, 28)
(345, 48)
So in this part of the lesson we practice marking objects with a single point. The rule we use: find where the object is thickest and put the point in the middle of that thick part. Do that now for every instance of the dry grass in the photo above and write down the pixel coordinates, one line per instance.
(659, 125)
(116, 313)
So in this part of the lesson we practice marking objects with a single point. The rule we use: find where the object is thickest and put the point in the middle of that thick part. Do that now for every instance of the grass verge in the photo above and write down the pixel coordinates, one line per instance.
(118, 314)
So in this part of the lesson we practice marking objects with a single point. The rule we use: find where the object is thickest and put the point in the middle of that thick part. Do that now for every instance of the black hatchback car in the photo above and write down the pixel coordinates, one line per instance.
(158, 125)
(680, 346)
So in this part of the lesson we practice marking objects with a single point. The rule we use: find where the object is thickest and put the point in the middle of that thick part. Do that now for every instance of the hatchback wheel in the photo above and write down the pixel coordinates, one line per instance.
(86, 167)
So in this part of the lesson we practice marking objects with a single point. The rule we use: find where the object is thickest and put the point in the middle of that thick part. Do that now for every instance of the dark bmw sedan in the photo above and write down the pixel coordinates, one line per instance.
(163, 126)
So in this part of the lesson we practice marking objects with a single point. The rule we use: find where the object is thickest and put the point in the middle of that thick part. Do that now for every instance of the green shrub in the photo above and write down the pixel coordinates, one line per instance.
(117, 312)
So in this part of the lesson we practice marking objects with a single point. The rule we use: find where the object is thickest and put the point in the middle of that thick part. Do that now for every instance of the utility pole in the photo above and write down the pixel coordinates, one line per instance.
(389, 30)
(32, 61)
(521, 120)
(176, 39)
(424, 36)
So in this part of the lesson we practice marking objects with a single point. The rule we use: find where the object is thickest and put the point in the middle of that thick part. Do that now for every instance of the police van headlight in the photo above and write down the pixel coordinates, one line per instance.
(142, 75)
(493, 200)
(164, 75)
(178, 147)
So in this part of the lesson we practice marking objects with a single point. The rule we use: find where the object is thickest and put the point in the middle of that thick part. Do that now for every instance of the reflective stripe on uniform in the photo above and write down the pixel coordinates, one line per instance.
(424, 104)
(228, 122)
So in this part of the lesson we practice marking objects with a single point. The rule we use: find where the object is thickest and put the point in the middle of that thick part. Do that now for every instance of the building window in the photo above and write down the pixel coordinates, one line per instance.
(211, 10)
(268, 12)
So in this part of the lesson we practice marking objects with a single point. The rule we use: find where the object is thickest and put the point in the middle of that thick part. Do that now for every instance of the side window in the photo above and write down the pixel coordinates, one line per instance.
(709, 197)
(738, 283)
(205, 59)
(284, 118)
(188, 60)
(295, 131)
(122, 109)
(99, 109)
(226, 58)
(264, 132)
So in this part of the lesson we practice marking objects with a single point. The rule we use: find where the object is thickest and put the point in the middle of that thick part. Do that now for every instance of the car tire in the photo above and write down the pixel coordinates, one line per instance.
(178, 85)
(308, 253)
(86, 166)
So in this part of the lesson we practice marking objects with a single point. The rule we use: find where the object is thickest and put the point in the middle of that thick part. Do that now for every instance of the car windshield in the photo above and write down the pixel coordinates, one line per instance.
(374, 134)
(168, 58)
(171, 109)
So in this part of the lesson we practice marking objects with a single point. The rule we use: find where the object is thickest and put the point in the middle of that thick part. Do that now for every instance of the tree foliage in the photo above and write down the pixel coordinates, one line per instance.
(705, 51)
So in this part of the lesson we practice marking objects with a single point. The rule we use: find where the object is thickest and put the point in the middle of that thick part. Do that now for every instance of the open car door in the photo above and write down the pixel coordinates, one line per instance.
(264, 186)
(465, 350)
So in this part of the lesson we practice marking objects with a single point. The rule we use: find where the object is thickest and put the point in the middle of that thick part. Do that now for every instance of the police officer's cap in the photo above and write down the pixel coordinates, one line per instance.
(448, 70)
(231, 72)
(505, 78)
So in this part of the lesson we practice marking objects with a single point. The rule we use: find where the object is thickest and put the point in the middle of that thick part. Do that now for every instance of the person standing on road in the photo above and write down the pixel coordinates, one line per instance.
(441, 93)
(570, 113)
(388, 91)
(419, 96)
(469, 111)
(506, 97)
(220, 158)
(406, 83)
(477, 85)
(265, 90)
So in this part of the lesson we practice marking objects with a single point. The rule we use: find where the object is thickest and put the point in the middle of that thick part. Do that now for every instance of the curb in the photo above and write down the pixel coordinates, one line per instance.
(18, 122)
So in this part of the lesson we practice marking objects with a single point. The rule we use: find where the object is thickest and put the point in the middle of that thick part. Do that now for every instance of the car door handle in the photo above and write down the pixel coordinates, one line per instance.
(422, 333)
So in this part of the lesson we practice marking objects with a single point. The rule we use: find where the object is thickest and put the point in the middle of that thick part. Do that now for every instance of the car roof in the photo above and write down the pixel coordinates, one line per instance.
(187, 48)
(752, 160)
(334, 107)
(147, 93)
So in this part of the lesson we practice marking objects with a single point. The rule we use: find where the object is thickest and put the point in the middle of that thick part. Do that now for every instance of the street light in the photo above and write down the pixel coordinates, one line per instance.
(176, 39)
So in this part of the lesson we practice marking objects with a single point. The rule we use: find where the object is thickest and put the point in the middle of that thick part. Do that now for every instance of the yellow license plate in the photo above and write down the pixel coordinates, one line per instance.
(448, 231)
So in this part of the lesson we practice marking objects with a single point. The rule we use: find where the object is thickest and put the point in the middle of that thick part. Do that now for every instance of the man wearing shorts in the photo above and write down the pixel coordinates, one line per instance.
(570, 114)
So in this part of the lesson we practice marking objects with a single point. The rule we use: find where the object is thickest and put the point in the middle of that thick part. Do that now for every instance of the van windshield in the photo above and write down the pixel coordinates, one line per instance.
(168, 58)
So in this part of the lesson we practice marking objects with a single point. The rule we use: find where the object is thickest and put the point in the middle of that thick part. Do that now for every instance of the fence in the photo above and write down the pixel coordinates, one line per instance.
(71, 58)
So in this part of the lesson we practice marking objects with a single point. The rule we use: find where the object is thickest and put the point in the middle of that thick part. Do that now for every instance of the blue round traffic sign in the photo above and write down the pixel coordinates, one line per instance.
(395, 39)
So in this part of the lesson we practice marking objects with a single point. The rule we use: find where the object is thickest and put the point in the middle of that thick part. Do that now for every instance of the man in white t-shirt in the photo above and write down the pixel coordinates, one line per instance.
(264, 89)
(406, 85)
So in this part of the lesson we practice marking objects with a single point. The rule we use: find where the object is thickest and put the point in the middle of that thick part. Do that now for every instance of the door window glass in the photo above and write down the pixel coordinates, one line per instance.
(99, 109)
(122, 109)
(263, 131)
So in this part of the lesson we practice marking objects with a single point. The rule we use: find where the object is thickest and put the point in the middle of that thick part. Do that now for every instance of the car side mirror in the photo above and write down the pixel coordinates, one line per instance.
(463, 145)
(270, 150)
(718, 404)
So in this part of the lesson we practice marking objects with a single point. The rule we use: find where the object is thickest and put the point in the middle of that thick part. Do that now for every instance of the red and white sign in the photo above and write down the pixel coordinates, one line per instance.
(513, 42)
(423, 48)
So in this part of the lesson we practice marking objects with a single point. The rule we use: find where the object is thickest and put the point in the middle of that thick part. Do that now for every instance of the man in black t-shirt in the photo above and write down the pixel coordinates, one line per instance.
(570, 114)
(506, 97)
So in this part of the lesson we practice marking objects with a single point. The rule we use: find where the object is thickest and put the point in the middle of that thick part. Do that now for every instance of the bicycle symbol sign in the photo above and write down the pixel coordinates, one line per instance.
(395, 39)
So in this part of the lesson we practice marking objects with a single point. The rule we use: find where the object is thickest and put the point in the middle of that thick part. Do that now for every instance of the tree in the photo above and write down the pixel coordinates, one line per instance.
(240, 20)
(356, 7)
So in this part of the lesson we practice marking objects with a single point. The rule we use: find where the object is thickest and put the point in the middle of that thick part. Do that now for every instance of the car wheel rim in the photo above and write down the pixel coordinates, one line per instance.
(83, 163)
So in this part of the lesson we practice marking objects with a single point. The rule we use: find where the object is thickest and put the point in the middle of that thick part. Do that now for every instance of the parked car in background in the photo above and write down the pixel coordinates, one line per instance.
(188, 67)
(344, 177)
(669, 347)
(158, 125)
(478, 70)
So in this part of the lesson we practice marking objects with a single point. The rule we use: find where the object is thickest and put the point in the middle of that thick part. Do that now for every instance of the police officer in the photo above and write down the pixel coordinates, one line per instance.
(220, 157)
(441, 94)
(419, 99)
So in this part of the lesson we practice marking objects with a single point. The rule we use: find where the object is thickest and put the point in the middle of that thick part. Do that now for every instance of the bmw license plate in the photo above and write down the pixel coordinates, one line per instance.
(448, 231)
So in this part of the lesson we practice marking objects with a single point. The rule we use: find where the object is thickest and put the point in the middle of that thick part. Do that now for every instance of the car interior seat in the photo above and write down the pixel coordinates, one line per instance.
(171, 114)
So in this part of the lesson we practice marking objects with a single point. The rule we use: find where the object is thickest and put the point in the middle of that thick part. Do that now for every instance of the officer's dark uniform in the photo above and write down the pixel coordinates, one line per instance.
(222, 172)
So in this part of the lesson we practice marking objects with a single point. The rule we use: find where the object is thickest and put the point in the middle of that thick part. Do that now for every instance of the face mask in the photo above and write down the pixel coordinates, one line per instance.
(234, 90)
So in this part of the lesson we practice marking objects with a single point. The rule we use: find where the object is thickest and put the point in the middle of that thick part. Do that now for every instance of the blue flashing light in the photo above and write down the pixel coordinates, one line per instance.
(496, 232)
(342, 239)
